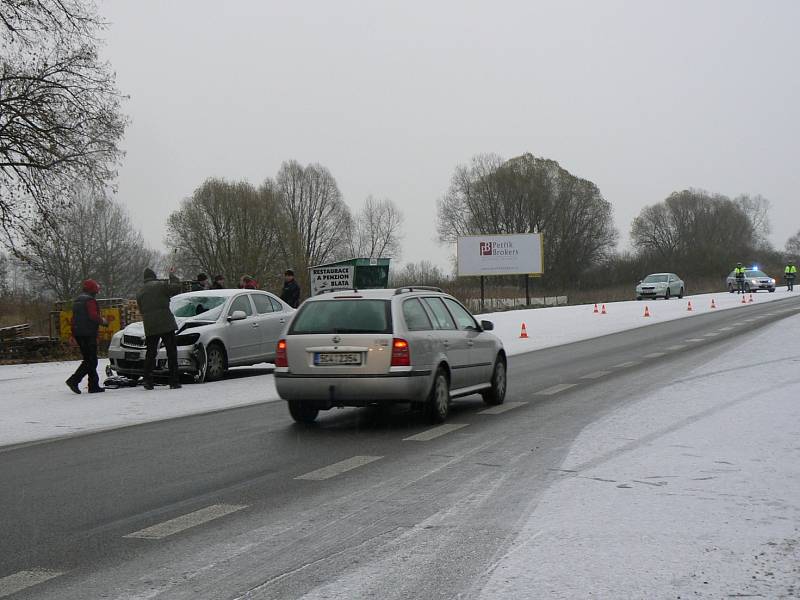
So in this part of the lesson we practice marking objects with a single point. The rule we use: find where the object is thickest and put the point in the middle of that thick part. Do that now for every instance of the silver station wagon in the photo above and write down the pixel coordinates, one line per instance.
(370, 347)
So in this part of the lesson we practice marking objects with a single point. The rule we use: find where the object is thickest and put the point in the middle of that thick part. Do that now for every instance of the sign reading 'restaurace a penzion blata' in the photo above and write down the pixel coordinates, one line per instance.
(515, 254)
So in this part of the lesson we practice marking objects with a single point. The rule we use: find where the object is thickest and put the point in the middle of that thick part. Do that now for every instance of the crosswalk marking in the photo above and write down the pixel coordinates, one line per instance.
(16, 582)
(496, 410)
(556, 389)
(430, 434)
(596, 375)
(187, 521)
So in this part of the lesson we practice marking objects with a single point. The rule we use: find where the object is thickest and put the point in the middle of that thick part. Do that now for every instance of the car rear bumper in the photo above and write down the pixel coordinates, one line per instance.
(330, 391)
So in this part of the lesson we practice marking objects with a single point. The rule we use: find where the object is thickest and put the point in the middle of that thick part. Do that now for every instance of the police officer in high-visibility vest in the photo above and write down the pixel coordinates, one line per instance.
(789, 274)
(738, 273)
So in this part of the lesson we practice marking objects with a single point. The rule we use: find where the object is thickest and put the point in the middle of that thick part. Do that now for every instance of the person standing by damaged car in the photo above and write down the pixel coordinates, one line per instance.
(86, 320)
(159, 324)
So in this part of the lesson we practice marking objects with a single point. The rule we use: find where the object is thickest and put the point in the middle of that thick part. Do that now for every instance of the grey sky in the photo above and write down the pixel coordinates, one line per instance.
(642, 98)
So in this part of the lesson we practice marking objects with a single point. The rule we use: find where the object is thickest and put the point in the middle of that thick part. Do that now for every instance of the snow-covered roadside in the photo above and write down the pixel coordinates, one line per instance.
(35, 404)
(690, 491)
(565, 324)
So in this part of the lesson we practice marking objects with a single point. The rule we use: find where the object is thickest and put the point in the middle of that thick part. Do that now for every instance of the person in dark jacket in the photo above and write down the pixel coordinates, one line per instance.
(159, 324)
(201, 283)
(219, 283)
(86, 320)
(291, 290)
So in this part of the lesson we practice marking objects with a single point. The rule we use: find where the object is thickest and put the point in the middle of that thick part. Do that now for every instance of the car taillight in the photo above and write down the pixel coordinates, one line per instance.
(281, 360)
(401, 357)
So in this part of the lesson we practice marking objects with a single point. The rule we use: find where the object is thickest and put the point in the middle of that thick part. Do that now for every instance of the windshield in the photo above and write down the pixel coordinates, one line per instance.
(343, 316)
(655, 279)
(192, 306)
(755, 274)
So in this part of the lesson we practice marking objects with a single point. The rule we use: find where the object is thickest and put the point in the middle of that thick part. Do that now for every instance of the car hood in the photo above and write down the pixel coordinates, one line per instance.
(184, 323)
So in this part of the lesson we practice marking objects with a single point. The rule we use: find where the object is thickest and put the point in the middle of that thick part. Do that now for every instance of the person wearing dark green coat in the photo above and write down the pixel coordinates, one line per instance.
(159, 324)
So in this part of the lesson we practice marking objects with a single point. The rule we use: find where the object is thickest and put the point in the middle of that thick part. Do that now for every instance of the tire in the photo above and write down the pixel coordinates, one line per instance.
(439, 399)
(681, 294)
(497, 393)
(730, 288)
(771, 290)
(302, 413)
(746, 288)
(216, 362)
(668, 295)
(639, 298)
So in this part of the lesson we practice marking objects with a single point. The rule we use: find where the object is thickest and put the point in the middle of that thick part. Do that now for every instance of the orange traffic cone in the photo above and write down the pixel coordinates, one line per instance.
(744, 300)
(689, 307)
(523, 335)
(646, 311)
(603, 312)
(751, 297)
(713, 304)
(595, 309)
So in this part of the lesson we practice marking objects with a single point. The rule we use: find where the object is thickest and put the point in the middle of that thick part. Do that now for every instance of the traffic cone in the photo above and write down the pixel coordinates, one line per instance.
(603, 312)
(689, 307)
(751, 297)
(646, 311)
(595, 309)
(713, 304)
(523, 335)
(744, 300)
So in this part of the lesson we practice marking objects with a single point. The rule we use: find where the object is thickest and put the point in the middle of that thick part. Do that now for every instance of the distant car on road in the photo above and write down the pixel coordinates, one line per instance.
(754, 280)
(665, 285)
(361, 348)
(217, 329)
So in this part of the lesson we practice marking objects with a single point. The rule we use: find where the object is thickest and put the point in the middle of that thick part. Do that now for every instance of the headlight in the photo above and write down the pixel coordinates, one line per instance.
(187, 339)
(754, 281)
(771, 280)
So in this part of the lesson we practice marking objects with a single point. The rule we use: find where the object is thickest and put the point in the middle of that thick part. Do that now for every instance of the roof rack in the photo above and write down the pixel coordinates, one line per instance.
(330, 290)
(411, 288)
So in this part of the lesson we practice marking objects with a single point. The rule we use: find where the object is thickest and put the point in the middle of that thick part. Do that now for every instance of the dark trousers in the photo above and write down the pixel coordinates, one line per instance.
(790, 282)
(152, 350)
(88, 366)
(740, 285)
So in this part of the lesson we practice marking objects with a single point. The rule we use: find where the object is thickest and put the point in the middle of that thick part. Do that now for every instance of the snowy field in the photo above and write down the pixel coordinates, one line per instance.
(35, 404)
(692, 491)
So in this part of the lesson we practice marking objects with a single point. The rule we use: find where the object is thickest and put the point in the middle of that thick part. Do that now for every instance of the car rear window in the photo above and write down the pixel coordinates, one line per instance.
(348, 315)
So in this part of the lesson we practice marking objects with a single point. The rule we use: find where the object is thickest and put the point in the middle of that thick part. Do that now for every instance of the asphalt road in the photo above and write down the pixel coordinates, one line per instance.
(243, 503)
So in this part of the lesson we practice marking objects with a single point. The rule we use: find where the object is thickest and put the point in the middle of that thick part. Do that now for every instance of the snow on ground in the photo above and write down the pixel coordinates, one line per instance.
(35, 404)
(691, 491)
(565, 324)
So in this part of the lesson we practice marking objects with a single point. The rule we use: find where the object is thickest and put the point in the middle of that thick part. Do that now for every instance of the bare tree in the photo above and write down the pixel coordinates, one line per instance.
(421, 273)
(376, 231)
(317, 218)
(757, 210)
(228, 228)
(792, 248)
(90, 237)
(60, 119)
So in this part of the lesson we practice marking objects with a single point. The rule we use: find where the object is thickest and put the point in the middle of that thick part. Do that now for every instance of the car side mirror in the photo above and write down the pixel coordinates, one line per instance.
(487, 325)
(237, 315)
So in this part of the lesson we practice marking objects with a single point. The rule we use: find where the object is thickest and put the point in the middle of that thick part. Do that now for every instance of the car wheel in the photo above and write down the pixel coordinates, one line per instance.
(497, 393)
(639, 298)
(667, 295)
(730, 288)
(680, 294)
(771, 290)
(216, 362)
(302, 413)
(746, 288)
(439, 401)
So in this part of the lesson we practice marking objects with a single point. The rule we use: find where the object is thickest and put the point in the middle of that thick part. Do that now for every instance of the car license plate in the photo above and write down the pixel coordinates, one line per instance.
(133, 356)
(323, 359)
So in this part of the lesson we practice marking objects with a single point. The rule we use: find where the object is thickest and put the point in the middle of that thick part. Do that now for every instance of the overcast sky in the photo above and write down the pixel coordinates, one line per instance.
(643, 98)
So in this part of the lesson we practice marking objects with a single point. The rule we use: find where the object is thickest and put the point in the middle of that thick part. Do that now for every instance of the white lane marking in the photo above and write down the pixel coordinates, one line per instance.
(436, 432)
(673, 348)
(16, 582)
(625, 365)
(496, 410)
(343, 466)
(654, 355)
(711, 334)
(556, 389)
(694, 340)
(187, 521)
(596, 375)
(725, 328)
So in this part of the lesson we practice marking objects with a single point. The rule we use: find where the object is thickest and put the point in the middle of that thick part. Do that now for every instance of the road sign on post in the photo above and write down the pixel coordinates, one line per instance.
(360, 273)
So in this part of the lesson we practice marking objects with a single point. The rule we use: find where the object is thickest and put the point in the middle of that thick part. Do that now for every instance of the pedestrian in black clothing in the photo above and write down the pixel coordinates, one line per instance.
(219, 283)
(86, 321)
(159, 324)
(291, 290)
(201, 283)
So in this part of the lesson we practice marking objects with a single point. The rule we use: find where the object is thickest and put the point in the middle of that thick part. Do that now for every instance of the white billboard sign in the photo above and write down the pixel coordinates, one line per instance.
(331, 278)
(513, 254)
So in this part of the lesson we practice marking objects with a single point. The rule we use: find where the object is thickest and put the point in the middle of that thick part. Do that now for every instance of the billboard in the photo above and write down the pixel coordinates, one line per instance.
(331, 278)
(512, 254)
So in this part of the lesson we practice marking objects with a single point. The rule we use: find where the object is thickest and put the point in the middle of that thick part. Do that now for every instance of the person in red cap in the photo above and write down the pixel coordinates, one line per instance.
(86, 320)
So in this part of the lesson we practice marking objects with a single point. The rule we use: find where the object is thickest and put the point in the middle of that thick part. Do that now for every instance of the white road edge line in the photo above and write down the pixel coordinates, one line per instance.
(187, 521)
(596, 375)
(674, 348)
(430, 434)
(16, 582)
(695, 340)
(654, 355)
(711, 334)
(556, 389)
(496, 410)
(625, 365)
(338, 468)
